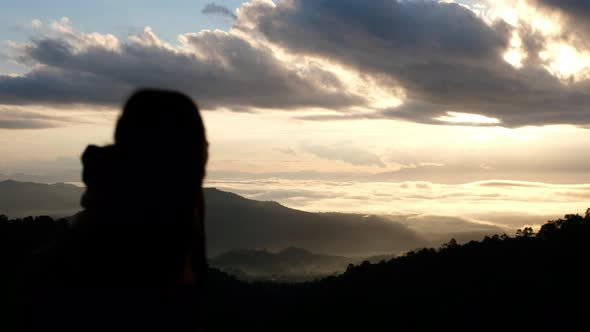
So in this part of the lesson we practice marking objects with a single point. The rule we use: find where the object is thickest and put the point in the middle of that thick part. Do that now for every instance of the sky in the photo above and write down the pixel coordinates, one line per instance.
(477, 109)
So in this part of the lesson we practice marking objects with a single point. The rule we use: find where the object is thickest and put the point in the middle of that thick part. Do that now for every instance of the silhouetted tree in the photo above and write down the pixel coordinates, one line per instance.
(527, 232)
(529, 282)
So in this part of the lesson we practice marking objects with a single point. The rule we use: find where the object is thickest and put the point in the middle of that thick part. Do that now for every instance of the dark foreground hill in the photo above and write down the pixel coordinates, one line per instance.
(531, 282)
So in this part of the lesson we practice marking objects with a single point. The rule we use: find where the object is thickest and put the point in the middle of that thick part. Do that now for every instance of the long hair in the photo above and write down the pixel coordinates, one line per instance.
(148, 185)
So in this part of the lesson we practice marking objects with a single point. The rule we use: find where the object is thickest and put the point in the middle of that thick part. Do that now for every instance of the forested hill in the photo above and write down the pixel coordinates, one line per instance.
(290, 264)
(531, 282)
(21, 199)
(234, 222)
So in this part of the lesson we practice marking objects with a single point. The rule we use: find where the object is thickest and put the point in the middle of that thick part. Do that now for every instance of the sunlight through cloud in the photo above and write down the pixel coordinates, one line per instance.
(515, 53)
(468, 118)
(566, 62)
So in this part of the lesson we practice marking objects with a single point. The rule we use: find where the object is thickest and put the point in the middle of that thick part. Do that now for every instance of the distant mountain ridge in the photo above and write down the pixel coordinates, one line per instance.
(235, 222)
(531, 282)
(289, 264)
(21, 199)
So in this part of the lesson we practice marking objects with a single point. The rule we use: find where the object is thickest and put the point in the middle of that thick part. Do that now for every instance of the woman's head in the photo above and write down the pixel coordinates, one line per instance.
(144, 196)
(162, 148)
(164, 131)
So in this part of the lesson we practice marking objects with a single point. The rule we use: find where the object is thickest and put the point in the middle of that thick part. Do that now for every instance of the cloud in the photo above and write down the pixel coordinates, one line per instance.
(287, 151)
(17, 118)
(212, 8)
(445, 57)
(24, 124)
(36, 23)
(219, 69)
(573, 7)
(440, 229)
(505, 183)
(480, 202)
(60, 169)
(276, 195)
(346, 153)
(411, 28)
(575, 15)
(421, 61)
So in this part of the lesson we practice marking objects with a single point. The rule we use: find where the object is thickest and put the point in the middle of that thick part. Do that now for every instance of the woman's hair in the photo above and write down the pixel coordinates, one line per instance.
(145, 191)
(166, 129)
(130, 251)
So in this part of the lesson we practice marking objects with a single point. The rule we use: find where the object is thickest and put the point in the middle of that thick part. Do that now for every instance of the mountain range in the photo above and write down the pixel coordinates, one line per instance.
(288, 264)
(236, 223)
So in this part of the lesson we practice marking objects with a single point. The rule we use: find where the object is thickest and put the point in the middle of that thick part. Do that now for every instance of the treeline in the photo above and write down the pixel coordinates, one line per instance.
(531, 281)
(21, 237)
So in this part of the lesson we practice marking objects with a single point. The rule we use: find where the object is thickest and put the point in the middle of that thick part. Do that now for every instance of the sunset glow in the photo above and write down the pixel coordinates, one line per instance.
(566, 62)
(317, 118)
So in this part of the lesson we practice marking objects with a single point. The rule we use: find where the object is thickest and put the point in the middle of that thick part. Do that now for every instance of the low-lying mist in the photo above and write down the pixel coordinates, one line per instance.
(267, 239)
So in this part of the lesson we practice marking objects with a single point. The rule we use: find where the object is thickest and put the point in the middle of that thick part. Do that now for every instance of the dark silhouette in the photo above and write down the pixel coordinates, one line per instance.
(134, 259)
(133, 252)
(531, 282)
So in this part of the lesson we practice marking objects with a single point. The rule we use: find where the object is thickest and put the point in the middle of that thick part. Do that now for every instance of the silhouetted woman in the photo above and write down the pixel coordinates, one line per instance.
(138, 247)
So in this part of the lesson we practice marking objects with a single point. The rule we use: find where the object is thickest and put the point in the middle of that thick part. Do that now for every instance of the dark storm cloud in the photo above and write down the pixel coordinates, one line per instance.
(221, 70)
(445, 58)
(576, 14)
(574, 7)
(50, 85)
(213, 8)
(411, 28)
